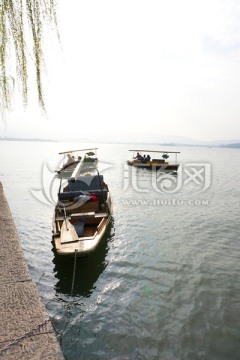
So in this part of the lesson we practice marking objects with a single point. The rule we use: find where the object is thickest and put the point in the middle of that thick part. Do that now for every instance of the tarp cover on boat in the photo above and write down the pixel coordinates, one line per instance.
(86, 183)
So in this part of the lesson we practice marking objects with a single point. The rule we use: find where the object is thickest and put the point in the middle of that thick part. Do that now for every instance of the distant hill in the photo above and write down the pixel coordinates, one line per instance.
(22, 139)
(231, 146)
(151, 139)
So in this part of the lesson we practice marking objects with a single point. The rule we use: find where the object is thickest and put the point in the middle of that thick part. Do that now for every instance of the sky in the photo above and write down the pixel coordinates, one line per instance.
(139, 71)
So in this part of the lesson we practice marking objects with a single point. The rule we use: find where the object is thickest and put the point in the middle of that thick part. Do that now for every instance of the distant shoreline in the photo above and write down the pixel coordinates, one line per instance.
(227, 146)
(22, 139)
(230, 146)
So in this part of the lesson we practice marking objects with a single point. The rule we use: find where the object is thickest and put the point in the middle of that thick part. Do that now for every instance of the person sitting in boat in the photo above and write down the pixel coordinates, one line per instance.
(70, 159)
(144, 159)
(148, 157)
(138, 157)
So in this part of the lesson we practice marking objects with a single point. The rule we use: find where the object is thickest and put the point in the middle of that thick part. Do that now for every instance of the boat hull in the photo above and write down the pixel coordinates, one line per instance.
(82, 246)
(154, 165)
(68, 241)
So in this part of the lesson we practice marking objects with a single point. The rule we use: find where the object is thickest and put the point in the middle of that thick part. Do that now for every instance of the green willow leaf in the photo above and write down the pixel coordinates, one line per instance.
(18, 19)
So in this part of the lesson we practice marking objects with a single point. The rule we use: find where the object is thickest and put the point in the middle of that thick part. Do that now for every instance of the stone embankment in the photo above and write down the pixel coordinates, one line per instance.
(26, 331)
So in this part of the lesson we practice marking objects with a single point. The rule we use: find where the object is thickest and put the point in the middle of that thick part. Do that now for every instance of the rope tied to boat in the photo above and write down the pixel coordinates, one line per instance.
(70, 303)
(74, 272)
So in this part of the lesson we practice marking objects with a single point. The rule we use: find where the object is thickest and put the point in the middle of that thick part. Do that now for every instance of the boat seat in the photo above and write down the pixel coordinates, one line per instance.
(86, 183)
(104, 215)
(70, 195)
(59, 218)
(87, 207)
(83, 214)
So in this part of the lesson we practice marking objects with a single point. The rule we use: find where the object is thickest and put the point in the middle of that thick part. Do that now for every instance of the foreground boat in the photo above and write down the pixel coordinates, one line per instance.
(146, 162)
(81, 215)
(73, 157)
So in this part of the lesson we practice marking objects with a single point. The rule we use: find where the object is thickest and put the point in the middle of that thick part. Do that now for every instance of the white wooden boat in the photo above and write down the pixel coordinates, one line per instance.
(73, 157)
(81, 215)
(141, 159)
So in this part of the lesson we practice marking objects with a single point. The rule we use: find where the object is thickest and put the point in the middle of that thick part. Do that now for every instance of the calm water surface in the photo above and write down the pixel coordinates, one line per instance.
(165, 281)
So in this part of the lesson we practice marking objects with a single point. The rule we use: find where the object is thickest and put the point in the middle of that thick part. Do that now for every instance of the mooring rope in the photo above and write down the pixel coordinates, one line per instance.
(74, 272)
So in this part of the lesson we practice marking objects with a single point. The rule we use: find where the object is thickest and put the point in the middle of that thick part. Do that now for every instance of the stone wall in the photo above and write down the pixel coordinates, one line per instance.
(26, 331)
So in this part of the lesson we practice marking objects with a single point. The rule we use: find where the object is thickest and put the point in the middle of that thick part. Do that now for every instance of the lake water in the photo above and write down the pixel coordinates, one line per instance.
(165, 281)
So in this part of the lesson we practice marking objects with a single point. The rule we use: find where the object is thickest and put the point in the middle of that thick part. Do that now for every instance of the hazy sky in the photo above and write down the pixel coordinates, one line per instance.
(140, 68)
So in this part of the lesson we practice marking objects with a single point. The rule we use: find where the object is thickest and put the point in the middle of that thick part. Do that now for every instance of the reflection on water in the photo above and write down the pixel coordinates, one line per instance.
(88, 268)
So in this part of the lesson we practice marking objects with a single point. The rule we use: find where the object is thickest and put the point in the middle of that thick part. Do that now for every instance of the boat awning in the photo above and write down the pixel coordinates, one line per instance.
(156, 151)
(72, 151)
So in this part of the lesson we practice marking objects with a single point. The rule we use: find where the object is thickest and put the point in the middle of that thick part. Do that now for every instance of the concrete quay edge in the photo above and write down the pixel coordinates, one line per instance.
(26, 330)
